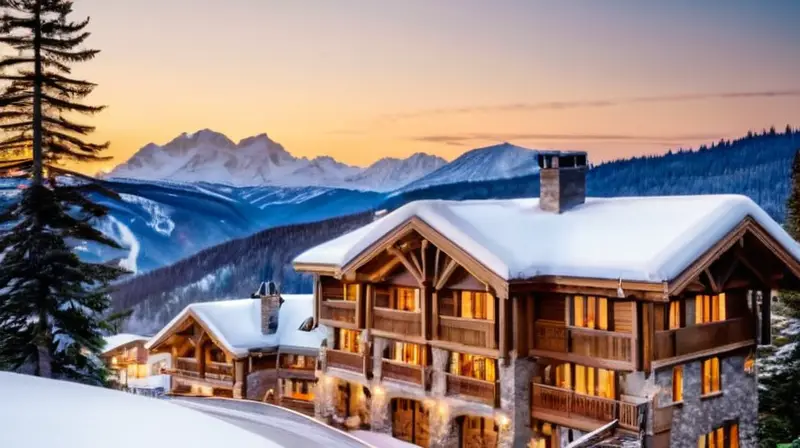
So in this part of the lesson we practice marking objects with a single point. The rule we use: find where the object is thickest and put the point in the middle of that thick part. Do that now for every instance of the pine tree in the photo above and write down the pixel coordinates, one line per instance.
(51, 302)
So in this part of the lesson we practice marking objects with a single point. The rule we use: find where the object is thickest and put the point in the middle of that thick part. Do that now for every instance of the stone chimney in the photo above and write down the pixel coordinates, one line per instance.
(270, 305)
(562, 180)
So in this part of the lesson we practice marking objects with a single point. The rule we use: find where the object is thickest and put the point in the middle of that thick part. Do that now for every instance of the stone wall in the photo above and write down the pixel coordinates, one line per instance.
(259, 382)
(515, 401)
(698, 416)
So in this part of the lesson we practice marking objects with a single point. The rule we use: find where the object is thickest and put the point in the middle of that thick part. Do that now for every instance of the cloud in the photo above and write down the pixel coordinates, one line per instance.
(469, 138)
(583, 104)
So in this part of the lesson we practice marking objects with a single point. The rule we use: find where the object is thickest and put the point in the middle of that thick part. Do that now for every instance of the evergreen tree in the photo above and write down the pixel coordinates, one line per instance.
(51, 302)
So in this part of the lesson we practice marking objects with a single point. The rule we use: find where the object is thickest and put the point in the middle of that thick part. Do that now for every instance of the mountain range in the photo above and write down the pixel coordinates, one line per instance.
(757, 166)
(211, 157)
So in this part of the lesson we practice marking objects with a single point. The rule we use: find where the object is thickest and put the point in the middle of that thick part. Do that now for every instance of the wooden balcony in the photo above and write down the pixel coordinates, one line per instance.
(697, 338)
(573, 405)
(485, 391)
(475, 332)
(396, 321)
(399, 371)
(338, 311)
(187, 367)
(219, 371)
(587, 342)
(353, 362)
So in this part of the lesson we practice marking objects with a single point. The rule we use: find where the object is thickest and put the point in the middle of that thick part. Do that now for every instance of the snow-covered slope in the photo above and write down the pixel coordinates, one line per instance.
(389, 174)
(39, 413)
(208, 156)
(501, 161)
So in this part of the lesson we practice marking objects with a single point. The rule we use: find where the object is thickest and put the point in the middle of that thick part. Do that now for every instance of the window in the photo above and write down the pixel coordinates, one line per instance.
(299, 389)
(476, 305)
(595, 382)
(590, 312)
(726, 436)
(407, 299)
(407, 353)
(351, 292)
(403, 299)
(674, 314)
(472, 366)
(709, 309)
(349, 340)
(677, 384)
(563, 376)
(711, 381)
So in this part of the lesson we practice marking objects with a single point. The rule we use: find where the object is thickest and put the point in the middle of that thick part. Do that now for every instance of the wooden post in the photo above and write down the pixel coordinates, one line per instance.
(647, 337)
(756, 315)
(200, 357)
(766, 317)
(435, 315)
(359, 305)
(518, 318)
(530, 319)
(317, 298)
(636, 341)
(503, 333)
(424, 298)
(370, 296)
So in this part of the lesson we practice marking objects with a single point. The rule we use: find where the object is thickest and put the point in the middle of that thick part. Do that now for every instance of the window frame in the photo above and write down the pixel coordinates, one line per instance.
(585, 309)
(677, 384)
(710, 308)
(712, 385)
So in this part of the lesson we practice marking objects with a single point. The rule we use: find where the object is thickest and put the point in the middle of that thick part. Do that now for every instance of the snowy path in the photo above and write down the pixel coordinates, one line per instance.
(274, 423)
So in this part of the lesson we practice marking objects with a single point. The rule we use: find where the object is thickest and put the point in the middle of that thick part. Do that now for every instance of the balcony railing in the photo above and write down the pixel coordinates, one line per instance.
(299, 405)
(396, 321)
(557, 337)
(338, 310)
(573, 404)
(485, 391)
(399, 371)
(187, 367)
(219, 371)
(696, 338)
(475, 332)
(345, 360)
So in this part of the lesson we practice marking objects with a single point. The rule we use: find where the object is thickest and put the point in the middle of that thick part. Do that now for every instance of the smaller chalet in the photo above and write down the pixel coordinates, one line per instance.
(261, 348)
(125, 357)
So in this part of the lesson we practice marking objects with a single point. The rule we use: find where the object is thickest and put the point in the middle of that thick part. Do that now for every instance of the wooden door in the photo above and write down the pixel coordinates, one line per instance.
(410, 422)
(478, 432)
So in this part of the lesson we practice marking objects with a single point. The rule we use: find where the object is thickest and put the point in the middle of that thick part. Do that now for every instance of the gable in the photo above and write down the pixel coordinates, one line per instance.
(414, 254)
(188, 325)
(746, 256)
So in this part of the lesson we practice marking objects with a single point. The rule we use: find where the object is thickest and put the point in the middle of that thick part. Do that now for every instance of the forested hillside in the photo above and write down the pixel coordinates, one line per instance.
(757, 166)
(230, 270)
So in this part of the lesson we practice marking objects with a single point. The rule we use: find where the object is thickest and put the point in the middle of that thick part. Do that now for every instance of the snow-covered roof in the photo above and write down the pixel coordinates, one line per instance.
(81, 416)
(236, 324)
(649, 239)
(118, 340)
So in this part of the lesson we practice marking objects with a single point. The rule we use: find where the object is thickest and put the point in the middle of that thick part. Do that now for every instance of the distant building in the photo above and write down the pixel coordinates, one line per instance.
(548, 321)
(260, 349)
(125, 357)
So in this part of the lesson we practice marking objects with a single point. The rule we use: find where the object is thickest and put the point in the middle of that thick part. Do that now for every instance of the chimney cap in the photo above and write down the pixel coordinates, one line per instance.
(266, 289)
(562, 159)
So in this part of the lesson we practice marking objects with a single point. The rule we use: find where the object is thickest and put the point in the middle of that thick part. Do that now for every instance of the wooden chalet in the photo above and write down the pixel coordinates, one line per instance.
(260, 349)
(534, 322)
(125, 357)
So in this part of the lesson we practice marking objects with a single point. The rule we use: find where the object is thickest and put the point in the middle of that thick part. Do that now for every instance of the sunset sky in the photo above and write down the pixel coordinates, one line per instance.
(364, 79)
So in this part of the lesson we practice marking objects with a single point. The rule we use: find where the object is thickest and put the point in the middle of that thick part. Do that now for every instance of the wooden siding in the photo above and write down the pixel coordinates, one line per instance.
(623, 316)
(584, 343)
(338, 311)
(472, 332)
(354, 362)
(398, 322)
(398, 371)
(551, 307)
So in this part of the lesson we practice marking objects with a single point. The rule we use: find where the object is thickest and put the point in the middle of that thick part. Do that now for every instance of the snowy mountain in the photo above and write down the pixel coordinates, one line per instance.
(208, 156)
(501, 161)
(390, 174)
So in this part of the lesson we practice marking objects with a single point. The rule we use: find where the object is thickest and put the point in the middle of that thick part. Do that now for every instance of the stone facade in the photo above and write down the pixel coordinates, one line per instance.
(698, 416)
(260, 382)
(515, 401)
(269, 313)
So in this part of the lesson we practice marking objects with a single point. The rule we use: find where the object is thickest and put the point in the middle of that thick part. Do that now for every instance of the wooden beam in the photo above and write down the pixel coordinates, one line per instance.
(448, 271)
(435, 314)
(711, 281)
(416, 264)
(504, 329)
(384, 270)
(436, 266)
(759, 275)
(766, 317)
(410, 267)
(723, 279)
(423, 251)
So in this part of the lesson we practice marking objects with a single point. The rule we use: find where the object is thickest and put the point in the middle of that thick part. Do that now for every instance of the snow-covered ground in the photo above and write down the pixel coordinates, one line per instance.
(42, 413)
(381, 440)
